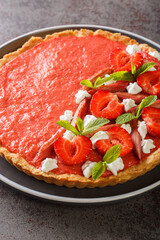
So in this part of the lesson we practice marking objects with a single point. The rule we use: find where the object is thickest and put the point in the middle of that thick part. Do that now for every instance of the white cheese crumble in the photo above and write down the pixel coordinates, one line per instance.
(134, 88)
(87, 168)
(115, 166)
(87, 119)
(142, 129)
(49, 164)
(128, 103)
(147, 145)
(155, 54)
(81, 94)
(68, 135)
(151, 69)
(132, 49)
(68, 116)
(98, 136)
(127, 127)
(107, 75)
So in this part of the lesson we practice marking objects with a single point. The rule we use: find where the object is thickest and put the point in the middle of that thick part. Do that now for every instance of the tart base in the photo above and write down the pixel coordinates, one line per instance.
(71, 180)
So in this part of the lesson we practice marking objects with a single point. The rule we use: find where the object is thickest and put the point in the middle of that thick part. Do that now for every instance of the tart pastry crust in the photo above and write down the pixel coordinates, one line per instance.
(71, 180)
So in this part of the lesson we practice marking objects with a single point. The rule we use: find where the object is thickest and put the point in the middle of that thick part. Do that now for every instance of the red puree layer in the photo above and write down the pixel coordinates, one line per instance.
(40, 84)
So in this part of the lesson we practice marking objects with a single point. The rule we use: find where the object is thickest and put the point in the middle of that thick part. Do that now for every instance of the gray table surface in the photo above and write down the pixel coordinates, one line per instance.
(22, 217)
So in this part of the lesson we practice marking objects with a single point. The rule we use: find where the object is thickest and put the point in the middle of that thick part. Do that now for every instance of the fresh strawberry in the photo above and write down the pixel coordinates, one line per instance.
(149, 58)
(120, 60)
(105, 105)
(117, 135)
(151, 116)
(73, 152)
(150, 82)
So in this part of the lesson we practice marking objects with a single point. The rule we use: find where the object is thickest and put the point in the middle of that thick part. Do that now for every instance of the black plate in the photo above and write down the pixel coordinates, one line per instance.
(28, 185)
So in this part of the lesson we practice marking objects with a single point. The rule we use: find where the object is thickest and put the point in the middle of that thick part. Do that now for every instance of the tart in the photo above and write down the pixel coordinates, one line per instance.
(45, 81)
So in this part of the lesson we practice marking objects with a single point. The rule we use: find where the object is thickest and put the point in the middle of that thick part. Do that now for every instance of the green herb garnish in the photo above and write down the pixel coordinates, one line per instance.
(120, 76)
(127, 117)
(111, 155)
(90, 127)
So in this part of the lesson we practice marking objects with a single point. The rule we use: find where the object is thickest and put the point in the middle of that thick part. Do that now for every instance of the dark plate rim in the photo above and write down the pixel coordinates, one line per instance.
(74, 200)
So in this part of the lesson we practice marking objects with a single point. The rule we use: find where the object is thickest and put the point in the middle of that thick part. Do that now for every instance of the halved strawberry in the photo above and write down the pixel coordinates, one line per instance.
(117, 135)
(105, 104)
(120, 60)
(150, 82)
(151, 116)
(149, 58)
(73, 152)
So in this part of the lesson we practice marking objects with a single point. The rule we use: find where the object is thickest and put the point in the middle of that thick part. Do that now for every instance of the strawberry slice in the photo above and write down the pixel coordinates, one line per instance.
(73, 152)
(150, 82)
(151, 116)
(117, 135)
(105, 105)
(149, 58)
(120, 60)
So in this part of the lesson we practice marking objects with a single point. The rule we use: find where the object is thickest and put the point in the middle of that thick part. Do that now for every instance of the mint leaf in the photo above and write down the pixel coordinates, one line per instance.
(98, 170)
(94, 124)
(68, 126)
(80, 124)
(133, 69)
(124, 118)
(144, 68)
(87, 83)
(100, 81)
(146, 102)
(112, 154)
(122, 75)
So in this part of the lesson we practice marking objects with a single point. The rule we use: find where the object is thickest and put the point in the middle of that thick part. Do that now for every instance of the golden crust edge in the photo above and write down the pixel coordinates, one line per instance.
(71, 180)
(79, 33)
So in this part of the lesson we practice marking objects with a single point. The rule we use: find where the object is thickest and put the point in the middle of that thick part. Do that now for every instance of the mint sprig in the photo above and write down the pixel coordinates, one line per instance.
(124, 118)
(144, 68)
(99, 82)
(98, 170)
(120, 76)
(133, 69)
(94, 125)
(68, 126)
(146, 102)
(127, 117)
(90, 127)
(111, 155)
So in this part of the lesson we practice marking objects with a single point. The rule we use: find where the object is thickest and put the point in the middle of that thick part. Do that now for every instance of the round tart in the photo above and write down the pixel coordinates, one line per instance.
(81, 108)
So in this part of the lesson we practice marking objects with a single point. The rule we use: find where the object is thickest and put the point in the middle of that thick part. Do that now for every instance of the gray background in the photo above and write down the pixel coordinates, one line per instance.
(25, 218)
